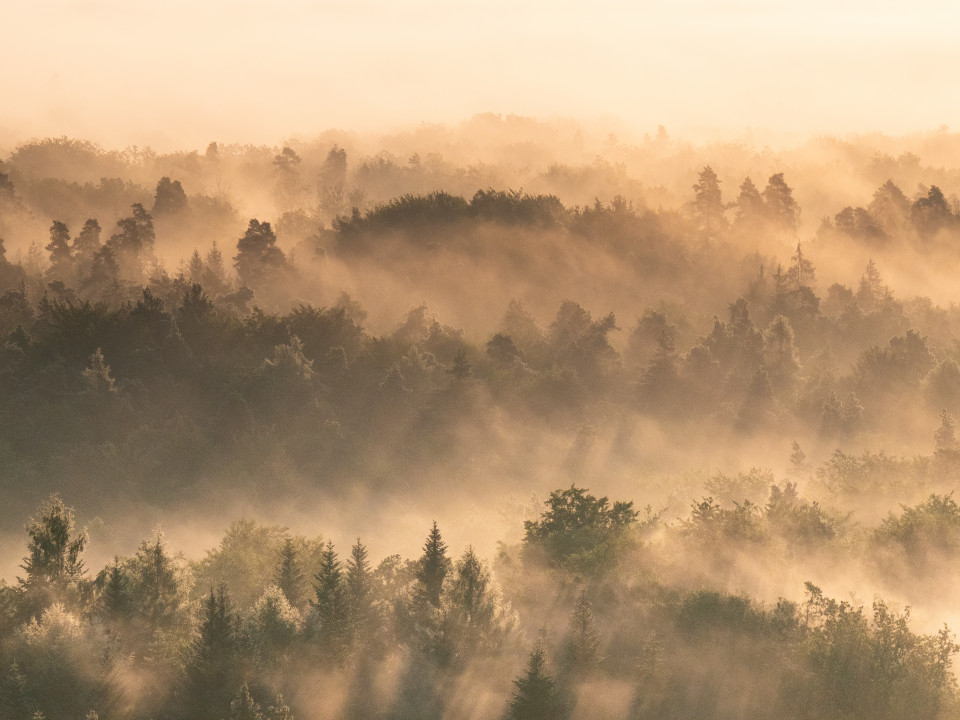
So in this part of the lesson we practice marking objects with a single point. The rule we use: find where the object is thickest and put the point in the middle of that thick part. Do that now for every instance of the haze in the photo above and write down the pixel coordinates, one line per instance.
(178, 74)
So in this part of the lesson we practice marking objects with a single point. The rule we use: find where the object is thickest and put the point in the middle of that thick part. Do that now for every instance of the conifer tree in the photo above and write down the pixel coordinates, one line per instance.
(244, 707)
(115, 600)
(212, 668)
(535, 697)
(583, 649)
(359, 597)
(289, 575)
(432, 568)
(59, 249)
(329, 621)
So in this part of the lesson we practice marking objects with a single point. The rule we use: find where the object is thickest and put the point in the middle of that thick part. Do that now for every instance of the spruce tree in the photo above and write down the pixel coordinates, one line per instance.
(359, 591)
(583, 649)
(289, 575)
(329, 621)
(432, 569)
(212, 668)
(535, 697)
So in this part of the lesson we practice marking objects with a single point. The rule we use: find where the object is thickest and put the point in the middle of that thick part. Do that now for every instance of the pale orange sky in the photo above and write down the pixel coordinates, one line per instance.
(179, 74)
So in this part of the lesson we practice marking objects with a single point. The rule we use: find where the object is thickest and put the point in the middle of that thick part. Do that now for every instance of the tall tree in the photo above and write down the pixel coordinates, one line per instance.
(708, 208)
(61, 257)
(360, 594)
(432, 568)
(289, 576)
(54, 568)
(779, 202)
(329, 619)
(258, 258)
(212, 668)
(170, 199)
(583, 645)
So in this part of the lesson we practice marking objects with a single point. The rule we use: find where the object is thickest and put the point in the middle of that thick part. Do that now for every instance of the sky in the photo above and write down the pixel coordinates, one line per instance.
(173, 73)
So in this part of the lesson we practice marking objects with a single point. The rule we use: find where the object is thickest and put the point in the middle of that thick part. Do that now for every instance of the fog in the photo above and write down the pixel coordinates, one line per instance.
(178, 74)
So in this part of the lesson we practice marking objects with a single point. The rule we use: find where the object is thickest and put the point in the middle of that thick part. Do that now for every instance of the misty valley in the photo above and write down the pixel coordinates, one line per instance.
(506, 419)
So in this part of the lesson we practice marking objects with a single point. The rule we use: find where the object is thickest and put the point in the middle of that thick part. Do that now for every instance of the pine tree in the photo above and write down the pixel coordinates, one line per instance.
(359, 593)
(708, 206)
(329, 620)
(212, 668)
(432, 569)
(214, 278)
(59, 249)
(115, 601)
(289, 575)
(583, 649)
(779, 202)
(195, 267)
(535, 698)
(750, 206)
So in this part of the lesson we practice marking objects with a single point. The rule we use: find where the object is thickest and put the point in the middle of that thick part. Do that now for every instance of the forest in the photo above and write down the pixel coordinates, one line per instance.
(374, 396)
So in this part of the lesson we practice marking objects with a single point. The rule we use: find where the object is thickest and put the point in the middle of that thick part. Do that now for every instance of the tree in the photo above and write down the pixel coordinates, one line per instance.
(779, 202)
(258, 258)
(53, 566)
(583, 644)
(289, 575)
(535, 697)
(360, 594)
(212, 668)
(59, 248)
(97, 376)
(214, 277)
(244, 707)
(579, 531)
(750, 208)
(475, 620)
(931, 213)
(330, 618)
(170, 199)
(133, 242)
(708, 208)
(781, 352)
(432, 568)
(272, 625)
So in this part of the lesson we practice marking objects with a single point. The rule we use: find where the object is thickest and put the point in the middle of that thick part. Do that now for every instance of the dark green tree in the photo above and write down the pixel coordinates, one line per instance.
(535, 697)
(359, 586)
(329, 622)
(289, 576)
(53, 566)
(212, 668)
(432, 568)
(258, 258)
(579, 531)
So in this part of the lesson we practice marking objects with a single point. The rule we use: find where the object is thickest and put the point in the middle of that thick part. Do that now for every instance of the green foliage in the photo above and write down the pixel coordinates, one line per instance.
(53, 566)
(432, 569)
(579, 531)
(535, 697)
